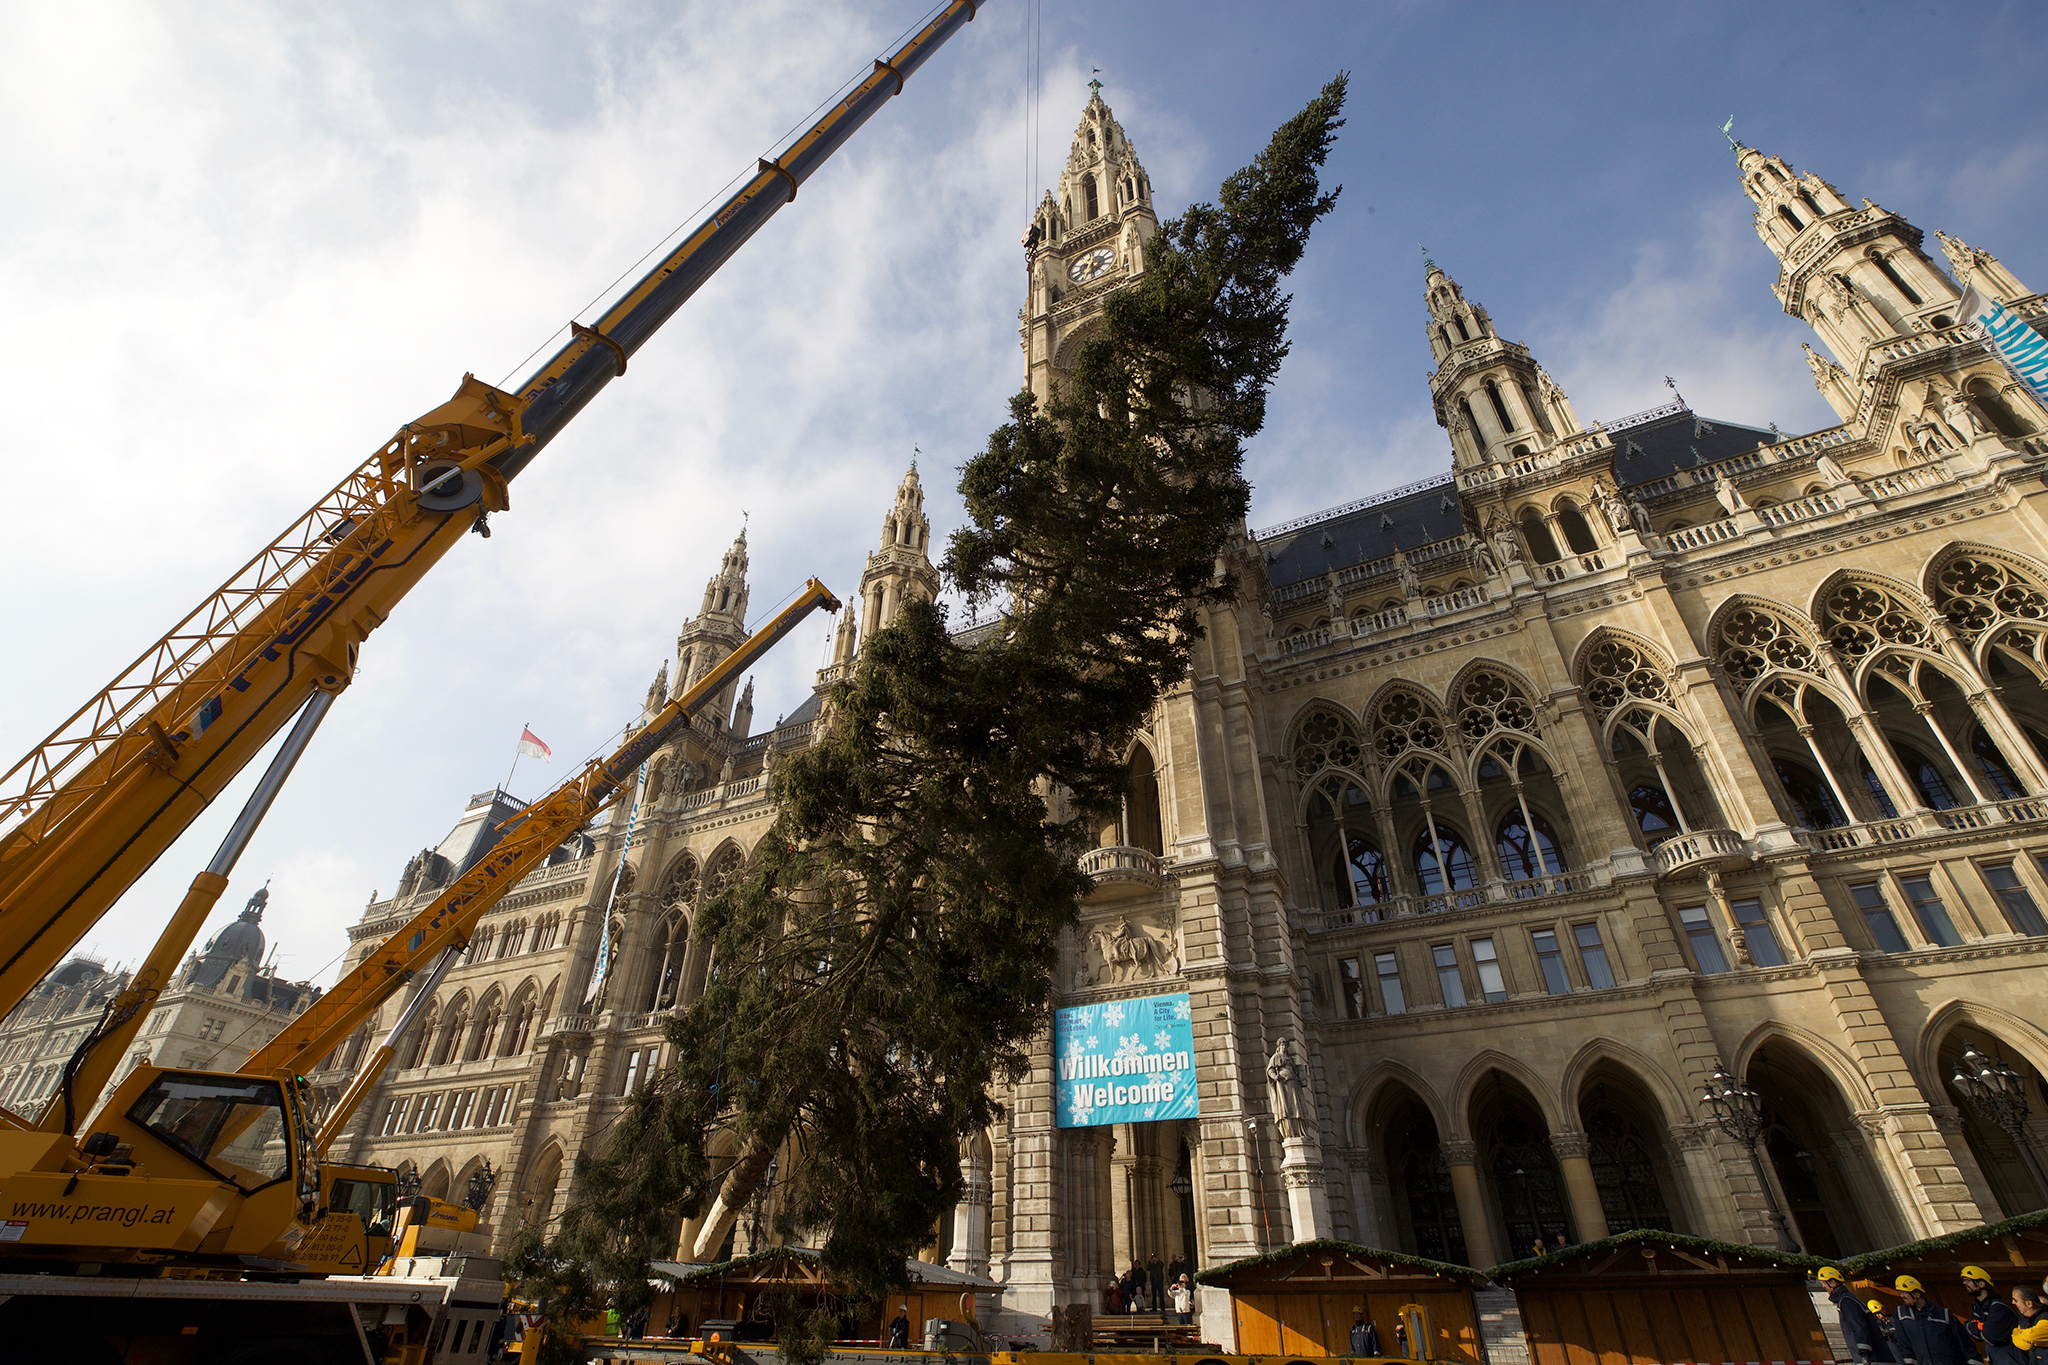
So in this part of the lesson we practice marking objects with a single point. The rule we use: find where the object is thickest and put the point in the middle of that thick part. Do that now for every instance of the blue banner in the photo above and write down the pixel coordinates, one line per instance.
(1125, 1061)
(2019, 345)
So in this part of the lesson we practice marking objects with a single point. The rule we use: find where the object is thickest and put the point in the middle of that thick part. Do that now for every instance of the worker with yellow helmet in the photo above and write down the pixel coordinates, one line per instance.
(1862, 1329)
(2031, 1336)
(1927, 1333)
(1991, 1319)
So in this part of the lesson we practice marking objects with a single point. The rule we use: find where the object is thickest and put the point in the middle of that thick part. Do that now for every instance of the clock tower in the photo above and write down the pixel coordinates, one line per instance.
(1087, 239)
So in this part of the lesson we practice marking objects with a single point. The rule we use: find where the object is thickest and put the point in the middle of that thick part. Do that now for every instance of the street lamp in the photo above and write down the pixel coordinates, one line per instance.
(1999, 1093)
(1181, 1186)
(1738, 1111)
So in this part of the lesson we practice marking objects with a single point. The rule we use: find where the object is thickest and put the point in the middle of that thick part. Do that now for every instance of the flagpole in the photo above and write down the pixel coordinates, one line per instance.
(507, 789)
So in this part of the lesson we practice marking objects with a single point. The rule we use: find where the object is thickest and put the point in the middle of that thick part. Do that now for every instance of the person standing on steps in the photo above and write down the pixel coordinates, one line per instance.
(1860, 1328)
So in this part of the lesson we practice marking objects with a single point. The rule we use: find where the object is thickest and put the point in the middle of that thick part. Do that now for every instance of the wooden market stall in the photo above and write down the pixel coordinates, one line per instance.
(2012, 1252)
(1299, 1301)
(744, 1290)
(1651, 1297)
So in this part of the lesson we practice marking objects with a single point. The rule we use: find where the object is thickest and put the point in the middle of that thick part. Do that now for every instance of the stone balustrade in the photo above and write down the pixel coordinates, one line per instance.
(1699, 850)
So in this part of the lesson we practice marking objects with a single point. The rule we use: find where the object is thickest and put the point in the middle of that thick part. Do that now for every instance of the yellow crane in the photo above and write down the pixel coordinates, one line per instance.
(189, 1174)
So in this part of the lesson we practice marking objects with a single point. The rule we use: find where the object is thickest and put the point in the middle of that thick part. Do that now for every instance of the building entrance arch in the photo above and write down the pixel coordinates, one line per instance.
(1818, 1154)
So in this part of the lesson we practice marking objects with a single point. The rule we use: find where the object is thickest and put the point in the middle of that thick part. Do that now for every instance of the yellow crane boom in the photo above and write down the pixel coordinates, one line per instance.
(87, 811)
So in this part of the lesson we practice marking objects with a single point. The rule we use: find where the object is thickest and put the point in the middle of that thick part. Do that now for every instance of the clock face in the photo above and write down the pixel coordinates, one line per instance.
(1092, 265)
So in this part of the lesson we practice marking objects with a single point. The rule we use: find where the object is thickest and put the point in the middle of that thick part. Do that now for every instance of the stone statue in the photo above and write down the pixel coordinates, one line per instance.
(1963, 416)
(1334, 601)
(1640, 515)
(1728, 493)
(1830, 470)
(1505, 546)
(725, 772)
(1483, 558)
(1266, 610)
(1411, 585)
(1286, 1076)
(1609, 502)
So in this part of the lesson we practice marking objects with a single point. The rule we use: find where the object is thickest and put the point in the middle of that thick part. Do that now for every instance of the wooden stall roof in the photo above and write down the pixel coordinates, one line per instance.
(2018, 1245)
(1325, 1262)
(800, 1266)
(1643, 1253)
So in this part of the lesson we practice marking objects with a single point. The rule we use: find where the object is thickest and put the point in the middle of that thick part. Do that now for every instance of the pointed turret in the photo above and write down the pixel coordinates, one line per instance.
(1490, 394)
(1832, 381)
(1087, 237)
(1856, 275)
(716, 631)
(1982, 269)
(901, 568)
(743, 714)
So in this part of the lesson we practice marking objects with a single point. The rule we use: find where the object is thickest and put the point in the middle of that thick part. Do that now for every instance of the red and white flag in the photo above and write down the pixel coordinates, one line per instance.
(530, 745)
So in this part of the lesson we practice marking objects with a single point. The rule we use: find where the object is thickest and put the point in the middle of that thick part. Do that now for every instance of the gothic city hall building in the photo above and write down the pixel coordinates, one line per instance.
(1501, 813)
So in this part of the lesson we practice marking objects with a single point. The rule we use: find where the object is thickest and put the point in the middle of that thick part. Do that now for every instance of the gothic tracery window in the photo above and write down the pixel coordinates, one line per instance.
(1488, 702)
(1616, 671)
(1977, 593)
(1754, 641)
(1860, 618)
(1406, 721)
(1325, 740)
(1624, 1172)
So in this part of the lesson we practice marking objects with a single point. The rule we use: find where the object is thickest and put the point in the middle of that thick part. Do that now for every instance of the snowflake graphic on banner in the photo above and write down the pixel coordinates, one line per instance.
(1113, 1016)
(1082, 1107)
(1131, 1047)
(1183, 1010)
(1163, 1041)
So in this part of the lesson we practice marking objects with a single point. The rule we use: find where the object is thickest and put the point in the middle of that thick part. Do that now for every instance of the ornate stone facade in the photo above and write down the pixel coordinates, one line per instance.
(1503, 808)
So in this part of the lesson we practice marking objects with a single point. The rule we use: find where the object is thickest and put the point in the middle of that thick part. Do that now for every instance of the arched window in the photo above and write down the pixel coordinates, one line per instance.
(1858, 618)
(519, 1033)
(1325, 740)
(485, 1034)
(1776, 174)
(1141, 823)
(1089, 195)
(1500, 406)
(1653, 814)
(1811, 799)
(1537, 409)
(420, 1046)
(1447, 334)
(1478, 433)
(665, 956)
(2003, 419)
(1790, 217)
(1624, 1171)
(1463, 333)
(1439, 848)
(1897, 282)
(1537, 533)
(1577, 533)
(1527, 849)
(1366, 870)
(1874, 784)
(1812, 207)
(451, 1033)
(1992, 764)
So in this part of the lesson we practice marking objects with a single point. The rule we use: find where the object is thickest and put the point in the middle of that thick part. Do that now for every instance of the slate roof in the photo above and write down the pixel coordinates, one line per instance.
(1416, 515)
(1665, 445)
(1366, 533)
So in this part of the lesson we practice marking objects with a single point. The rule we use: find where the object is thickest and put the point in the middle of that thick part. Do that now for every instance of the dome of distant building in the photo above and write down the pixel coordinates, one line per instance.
(79, 971)
(240, 942)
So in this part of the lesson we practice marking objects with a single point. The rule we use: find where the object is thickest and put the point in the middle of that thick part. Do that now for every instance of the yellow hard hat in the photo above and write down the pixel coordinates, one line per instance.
(1876, 1307)
(1907, 1285)
(1975, 1272)
(1828, 1272)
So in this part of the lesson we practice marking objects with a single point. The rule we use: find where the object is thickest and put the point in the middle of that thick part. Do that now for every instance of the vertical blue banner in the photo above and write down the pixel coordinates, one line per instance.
(1125, 1061)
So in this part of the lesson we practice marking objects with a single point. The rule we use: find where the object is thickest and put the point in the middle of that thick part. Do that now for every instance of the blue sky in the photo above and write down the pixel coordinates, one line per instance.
(245, 242)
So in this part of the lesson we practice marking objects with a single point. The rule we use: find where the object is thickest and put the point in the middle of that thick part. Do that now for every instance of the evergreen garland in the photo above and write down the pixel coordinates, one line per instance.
(1221, 1275)
(1531, 1265)
(889, 955)
(1921, 1250)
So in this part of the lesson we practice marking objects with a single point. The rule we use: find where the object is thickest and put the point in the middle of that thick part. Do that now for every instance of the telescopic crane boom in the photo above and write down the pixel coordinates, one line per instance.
(87, 811)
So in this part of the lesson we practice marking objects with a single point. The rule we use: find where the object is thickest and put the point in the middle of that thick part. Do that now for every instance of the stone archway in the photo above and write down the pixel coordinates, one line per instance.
(1526, 1199)
(2005, 1169)
(1819, 1156)
(1638, 1179)
(1418, 1200)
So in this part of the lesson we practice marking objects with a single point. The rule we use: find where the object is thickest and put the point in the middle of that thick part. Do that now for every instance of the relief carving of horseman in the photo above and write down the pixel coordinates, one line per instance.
(1128, 952)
